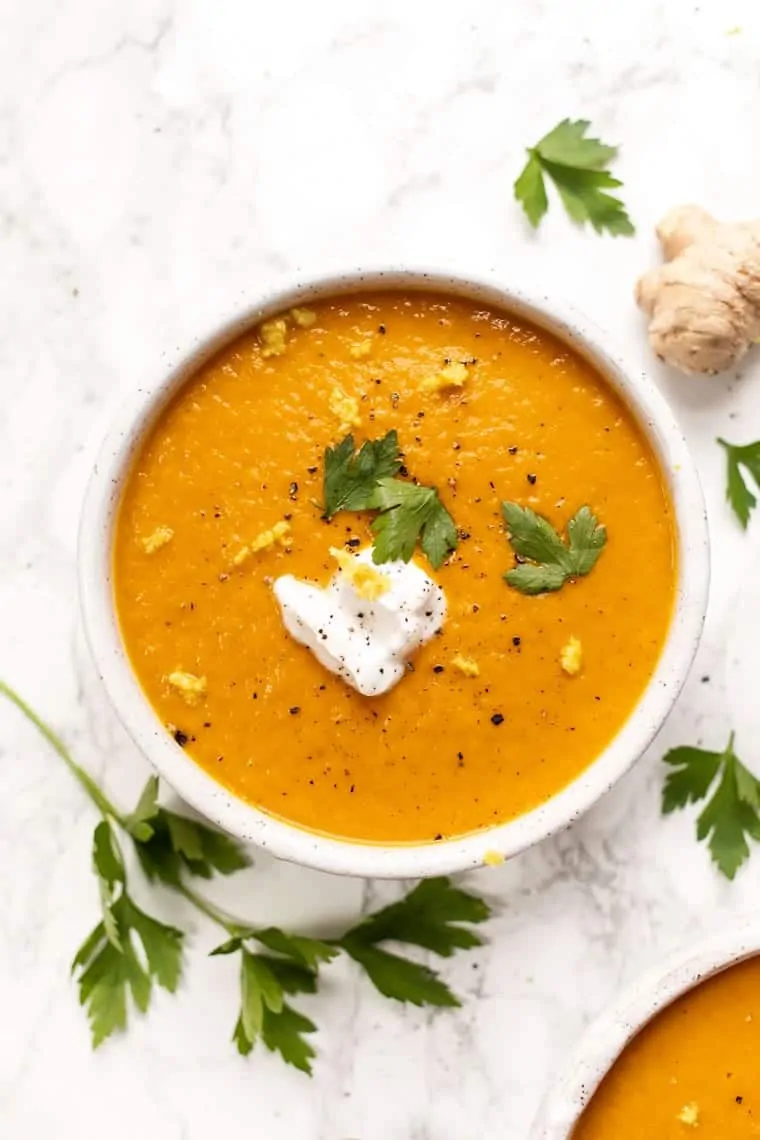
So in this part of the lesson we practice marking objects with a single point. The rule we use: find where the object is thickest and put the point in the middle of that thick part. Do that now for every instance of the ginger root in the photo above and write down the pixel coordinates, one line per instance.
(704, 303)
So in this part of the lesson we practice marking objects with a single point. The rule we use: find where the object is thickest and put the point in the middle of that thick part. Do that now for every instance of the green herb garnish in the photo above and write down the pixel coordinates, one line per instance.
(351, 477)
(168, 844)
(430, 916)
(576, 165)
(551, 562)
(409, 513)
(738, 493)
(107, 964)
(264, 1013)
(128, 950)
(733, 811)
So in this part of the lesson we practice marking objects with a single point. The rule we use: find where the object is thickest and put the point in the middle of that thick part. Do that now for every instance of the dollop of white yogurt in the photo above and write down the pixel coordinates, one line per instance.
(367, 643)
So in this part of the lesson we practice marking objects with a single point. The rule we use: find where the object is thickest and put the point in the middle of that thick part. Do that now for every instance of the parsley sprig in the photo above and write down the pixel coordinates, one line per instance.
(351, 476)
(408, 513)
(550, 561)
(265, 982)
(738, 492)
(430, 916)
(107, 963)
(732, 812)
(129, 951)
(577, 167)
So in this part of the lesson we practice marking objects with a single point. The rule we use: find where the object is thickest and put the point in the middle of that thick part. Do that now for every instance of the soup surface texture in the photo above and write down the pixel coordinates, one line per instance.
(241, 448)
(691, 1071)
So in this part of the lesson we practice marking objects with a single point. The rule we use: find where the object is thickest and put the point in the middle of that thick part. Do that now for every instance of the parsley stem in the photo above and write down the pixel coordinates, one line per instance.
(101, 801)
(227, 921)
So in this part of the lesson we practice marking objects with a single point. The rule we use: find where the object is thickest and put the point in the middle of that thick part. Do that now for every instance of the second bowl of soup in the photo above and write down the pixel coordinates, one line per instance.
(397, 573)
(676, 1056)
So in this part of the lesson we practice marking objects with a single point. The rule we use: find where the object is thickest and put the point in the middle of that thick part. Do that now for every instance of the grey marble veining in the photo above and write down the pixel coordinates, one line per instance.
(159, 163)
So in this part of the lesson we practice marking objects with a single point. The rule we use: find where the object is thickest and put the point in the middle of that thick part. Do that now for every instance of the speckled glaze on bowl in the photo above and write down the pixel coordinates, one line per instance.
(606, 1039)
(409, 860)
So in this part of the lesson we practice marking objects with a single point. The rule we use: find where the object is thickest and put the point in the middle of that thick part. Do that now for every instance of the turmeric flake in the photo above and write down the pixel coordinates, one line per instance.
(493, 859)
(571, 657)
(346, 408)
(242, 554)
(367, 582)
(454, 374)
(466, 665)
(273, 336)
(278, 535)
(159, 537)
(188, 686)
(304, 318)
(689, 1115)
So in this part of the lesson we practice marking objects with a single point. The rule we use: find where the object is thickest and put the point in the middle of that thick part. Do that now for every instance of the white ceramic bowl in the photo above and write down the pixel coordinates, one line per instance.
(603, 1043)
(395, 861)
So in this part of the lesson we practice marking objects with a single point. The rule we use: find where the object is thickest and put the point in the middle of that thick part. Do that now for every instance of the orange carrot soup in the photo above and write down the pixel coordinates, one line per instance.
(691, 1071)
(310, 562)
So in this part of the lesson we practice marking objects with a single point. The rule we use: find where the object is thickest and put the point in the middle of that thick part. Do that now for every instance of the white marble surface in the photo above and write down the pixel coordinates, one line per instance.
(161, 160)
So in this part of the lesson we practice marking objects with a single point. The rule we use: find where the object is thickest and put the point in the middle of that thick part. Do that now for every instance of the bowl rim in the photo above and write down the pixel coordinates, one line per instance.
(604, 1041)
(321, 851)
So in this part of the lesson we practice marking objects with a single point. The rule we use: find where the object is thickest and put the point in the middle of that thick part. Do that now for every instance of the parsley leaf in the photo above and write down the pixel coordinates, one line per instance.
(106, 856)
(293, 979)
(587, 539)
(567, 145)
(430, 916)
(399, 978)
(107, 963)
(533, 536)
(409, 513)
(244, 1044)
(103, 989)
(108, 865)
(259, 989)
(529, 579)
(168, 843)
(551, 561)
(694, 770)
(162, 945)
(738, 492)
(283, 1033)
(308, 951)
(439, 534)
(265, 1014)
(108, 970)
(530, 190)
(582, 194)
(575, 164)
(350, 478)
(137, 823)
(733, 811)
